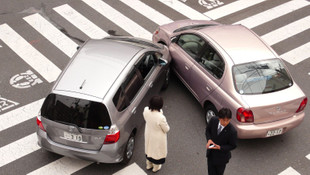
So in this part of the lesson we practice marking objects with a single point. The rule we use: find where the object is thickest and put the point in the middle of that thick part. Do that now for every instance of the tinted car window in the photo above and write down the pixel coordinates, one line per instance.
(212, 62)
(191, 44)
(261, 77)
(83, 113)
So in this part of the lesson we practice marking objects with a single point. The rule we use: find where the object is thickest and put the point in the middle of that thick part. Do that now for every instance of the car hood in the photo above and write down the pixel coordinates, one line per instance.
(276, 105)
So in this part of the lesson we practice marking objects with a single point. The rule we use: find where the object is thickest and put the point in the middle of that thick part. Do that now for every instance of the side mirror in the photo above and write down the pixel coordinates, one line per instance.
(174, 39)
(162, 62)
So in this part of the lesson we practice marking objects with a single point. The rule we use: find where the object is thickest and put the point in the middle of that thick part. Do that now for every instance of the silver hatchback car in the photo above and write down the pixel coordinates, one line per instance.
(230, 66)
(95, 107)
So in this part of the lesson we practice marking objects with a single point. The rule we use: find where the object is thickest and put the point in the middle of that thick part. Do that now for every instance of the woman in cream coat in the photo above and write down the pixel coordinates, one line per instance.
(156, 128)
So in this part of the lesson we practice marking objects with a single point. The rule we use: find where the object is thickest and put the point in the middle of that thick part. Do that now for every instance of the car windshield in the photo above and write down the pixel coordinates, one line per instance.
(261, 77)
(75, 112)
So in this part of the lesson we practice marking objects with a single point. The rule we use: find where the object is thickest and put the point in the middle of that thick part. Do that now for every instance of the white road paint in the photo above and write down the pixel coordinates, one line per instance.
(29, 54)
(185, 10)
(148, 12)
(132, 169)
(119, 19)
(51, 33)
(273, 13)
(81, 22)
(298, 54)
(231, 8)
(289, 171)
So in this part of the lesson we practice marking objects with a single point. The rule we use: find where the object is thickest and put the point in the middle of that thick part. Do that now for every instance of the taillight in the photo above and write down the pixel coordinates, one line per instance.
(39, 123)
(113, 135)
(156, 31)
(302, 105)
(245, 115)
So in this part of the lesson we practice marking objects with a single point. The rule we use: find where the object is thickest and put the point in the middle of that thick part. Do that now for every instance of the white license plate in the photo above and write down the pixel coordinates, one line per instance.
(73, 137)
(274, 132)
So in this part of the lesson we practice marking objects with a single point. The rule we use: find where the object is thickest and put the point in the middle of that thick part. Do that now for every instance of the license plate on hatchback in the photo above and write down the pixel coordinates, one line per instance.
(274, 132)
(72, 137)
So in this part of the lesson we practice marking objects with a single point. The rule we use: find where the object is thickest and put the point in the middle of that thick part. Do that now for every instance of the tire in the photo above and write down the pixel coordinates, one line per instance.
(210, 112)
(167, 80)
(128, 151)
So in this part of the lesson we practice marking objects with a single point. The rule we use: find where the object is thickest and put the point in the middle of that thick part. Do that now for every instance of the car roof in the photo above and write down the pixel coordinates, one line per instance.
(96, 66)
(239, 42)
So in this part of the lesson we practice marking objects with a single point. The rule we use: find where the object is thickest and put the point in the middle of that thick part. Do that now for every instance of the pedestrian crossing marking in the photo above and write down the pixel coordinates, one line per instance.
(273, 13)
(119, 19)
(185, 10)
(81, 22)
(289, 171)
(18, 149)
(20, 115)
(64, 166)
(231, 8)
(132, 169)
(29, 54)
(51, 33)
(148, 12)
(298, 54)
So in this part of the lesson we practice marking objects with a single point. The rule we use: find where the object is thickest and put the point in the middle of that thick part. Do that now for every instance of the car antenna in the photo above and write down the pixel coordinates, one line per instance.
(82, 84)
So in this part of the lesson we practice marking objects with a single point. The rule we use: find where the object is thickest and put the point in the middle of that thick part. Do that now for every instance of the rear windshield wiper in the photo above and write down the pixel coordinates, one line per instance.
(67, 123)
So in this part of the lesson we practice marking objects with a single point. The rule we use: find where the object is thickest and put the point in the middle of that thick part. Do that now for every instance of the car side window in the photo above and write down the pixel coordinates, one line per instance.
(191, 44)
(146, 64)
(212, 62)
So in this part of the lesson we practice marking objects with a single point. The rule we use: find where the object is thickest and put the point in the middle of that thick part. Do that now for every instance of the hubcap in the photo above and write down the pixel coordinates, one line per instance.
(209, 115)
(130, 146)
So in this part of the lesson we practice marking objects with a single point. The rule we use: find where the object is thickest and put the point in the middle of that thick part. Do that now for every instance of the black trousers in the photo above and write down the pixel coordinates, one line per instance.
(215, 169)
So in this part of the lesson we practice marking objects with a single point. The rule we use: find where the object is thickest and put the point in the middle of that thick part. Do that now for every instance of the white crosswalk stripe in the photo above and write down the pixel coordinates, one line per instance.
(29, 54)
(28, 144)
(50, 32)
(82, 23)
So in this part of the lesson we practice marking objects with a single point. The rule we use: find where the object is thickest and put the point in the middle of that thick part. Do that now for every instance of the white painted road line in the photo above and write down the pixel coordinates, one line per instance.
(287, 31)
(148, 12)
(64, 166)
(308, 156)
(119, 19)
(273, 13)
(81, 22)
(231, 8)
(298, 54)
(132, 169)
(289, 171)
(18, 149)
(185, 10)
(29, 54)
(51, 33)
(20, 115)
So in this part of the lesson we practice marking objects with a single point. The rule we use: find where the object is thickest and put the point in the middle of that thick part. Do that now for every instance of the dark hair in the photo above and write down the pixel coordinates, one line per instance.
(156, 103)
(225, 113)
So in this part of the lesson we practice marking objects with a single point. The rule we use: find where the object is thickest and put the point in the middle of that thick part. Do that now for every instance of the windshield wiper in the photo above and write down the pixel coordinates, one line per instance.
(67, 123)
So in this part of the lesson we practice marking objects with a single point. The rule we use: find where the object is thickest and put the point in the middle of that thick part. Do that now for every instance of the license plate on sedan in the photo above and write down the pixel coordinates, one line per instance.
(274, 132)
(73, 137)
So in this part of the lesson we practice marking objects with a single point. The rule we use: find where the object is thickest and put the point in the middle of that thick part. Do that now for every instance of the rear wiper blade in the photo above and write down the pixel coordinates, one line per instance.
(67, 123)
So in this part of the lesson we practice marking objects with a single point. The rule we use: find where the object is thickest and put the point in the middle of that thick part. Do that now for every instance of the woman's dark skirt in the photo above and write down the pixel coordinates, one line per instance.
(160, 161)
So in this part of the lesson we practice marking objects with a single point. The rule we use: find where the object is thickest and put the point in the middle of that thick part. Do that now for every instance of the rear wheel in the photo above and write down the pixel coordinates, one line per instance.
(128, 152)
(210, 112)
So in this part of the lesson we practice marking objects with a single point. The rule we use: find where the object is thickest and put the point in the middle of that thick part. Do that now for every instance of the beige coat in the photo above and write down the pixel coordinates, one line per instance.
(156, 128)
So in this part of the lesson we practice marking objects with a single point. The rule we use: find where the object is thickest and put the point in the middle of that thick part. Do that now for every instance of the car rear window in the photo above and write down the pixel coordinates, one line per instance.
(261, 77)
(83, 113)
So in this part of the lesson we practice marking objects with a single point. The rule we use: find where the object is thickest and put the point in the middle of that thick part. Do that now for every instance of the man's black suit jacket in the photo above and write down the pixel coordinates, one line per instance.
(227, 139)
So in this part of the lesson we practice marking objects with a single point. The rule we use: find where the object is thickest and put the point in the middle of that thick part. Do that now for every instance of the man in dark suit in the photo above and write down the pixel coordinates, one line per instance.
(221, 139)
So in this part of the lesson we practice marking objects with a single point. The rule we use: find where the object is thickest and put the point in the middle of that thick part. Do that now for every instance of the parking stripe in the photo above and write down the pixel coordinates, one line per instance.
(289, 171)
(18, 149)
(64, 165)
(20, 115)
(273, 13)
(147, 11)
(298, 54)
(185, 10)
(287, 31)
(231, 8)
(29, 54)
(119, 19)
(81, 22)
(51, 33)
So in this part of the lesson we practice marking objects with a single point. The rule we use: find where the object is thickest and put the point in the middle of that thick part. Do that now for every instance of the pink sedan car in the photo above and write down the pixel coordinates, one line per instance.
(230, 66)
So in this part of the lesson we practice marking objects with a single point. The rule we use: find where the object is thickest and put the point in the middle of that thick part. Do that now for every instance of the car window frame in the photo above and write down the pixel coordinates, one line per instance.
(194, 34)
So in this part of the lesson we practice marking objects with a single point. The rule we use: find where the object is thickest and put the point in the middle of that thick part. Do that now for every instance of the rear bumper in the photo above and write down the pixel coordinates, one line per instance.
(260, 130)
(110, 153)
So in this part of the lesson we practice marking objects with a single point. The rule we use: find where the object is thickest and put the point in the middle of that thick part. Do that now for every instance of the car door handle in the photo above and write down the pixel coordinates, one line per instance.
(208, 88)
(186, 68)
(151, 84)
(133, 111)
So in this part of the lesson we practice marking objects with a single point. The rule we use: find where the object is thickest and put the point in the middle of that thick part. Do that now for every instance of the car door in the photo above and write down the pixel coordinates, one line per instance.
(184, 51)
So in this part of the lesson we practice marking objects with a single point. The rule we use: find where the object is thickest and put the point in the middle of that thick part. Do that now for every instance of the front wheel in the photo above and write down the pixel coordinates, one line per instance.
(210, 112)
(128, 152)
(167, 79)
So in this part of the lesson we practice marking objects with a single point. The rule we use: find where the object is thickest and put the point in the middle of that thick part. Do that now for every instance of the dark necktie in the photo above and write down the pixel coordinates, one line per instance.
(219, 129)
